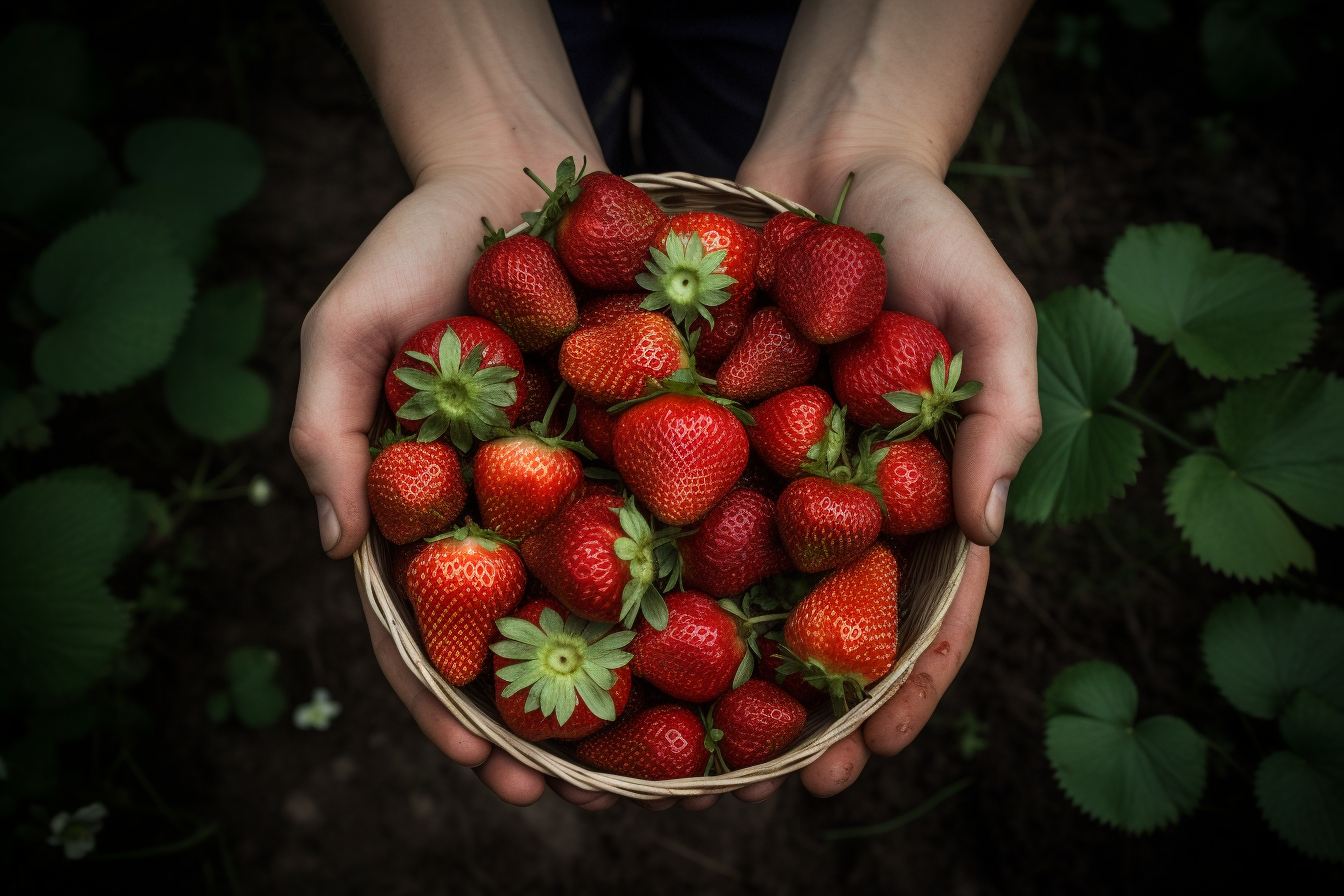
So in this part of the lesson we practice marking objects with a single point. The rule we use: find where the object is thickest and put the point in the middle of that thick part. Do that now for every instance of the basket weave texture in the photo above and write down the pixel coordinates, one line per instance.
(928, 583)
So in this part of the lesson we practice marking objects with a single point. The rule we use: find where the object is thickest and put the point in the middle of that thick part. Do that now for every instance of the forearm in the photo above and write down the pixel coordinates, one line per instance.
(467, 82)
(862, 77)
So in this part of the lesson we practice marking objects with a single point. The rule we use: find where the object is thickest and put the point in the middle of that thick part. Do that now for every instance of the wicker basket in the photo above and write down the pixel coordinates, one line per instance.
(928, 583)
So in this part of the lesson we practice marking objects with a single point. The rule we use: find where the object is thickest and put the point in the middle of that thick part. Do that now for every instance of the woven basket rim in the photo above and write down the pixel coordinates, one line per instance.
(374, 583)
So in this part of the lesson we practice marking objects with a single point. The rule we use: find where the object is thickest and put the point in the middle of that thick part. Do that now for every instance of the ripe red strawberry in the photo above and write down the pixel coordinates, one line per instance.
(680, 454)
(519, 284)
(523, 479)
(402, 558)
(458, 376)
(540, 386)
(771, 356)
(708, 274)
(772, 657)
(557, 675)
(597, 428)
(697, 655)
(778, 233)
(606, 307)
(754, 723)
(898, 374)
(415, 490)
(916, 486)
(459, 585)
(824, 524)
(614, 362)
(842, 636)
(734, 546)
(791, 425)
(603, 236)
(601, 559)
(658, 744)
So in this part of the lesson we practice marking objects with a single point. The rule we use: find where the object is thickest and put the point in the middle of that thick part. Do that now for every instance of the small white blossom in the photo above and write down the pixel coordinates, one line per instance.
(259, 490)
(76, 832)
(318, 712)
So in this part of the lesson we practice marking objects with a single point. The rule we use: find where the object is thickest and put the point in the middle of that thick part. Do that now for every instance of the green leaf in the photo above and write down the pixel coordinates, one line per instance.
(226, 322)
(1085, 456)
(1285, 433)
(50, 166)
(59, 541)
(1133, 776)
(134, 523)
(1301, 790)
(120, 294)
(1231, 525)
(1261, 653)
(1229, 315)
(256, 697)
(192, 225)
(22, 416)
(216, 164)
(216, 402)
(44, 65)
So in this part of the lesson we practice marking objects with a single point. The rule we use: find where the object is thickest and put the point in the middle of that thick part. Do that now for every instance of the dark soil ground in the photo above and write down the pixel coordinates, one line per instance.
(370, 806)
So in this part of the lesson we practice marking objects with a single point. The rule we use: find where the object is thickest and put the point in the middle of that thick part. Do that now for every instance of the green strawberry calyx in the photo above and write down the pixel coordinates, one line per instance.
(389, 438)
(685, 279)
(540, 429)
(846, 689)
(685, 382)
(459, 396)
(717, 765)
(927, 409)
(561, 662)
(493, 235)
(486, 538)
(542, 222)
(840, 466)
(653, 558)
(746, 630)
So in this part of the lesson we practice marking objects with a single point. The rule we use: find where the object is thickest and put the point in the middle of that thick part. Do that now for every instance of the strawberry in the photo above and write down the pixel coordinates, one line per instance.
(772, 657)
(597, 428)
(830, 279)
(842, 636)
(601, 559)
(523, 479)
(415, 490)
(778, 233)
(770, 356)
(680, 454)
(658, 744)
(606, 307)
(711, 264)
(916, 487)
(697, 655)
(603, 236)
(558, 675)
(753, 724)
(459, 585)
(615, 362)
(519, 284)
(540, 386)
(458, 376)
(734, 546)
(896, 375)
(828, 518)
(402, 558)
(796, 426)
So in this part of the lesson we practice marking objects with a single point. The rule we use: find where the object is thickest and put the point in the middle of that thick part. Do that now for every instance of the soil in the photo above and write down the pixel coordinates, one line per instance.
(371, 806)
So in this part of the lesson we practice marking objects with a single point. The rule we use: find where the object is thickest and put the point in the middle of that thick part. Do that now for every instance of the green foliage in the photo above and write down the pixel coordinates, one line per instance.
(1135, 776)
(1229, 315)
(191, 225)
(1143, 15)
(1085, 456)
(60, 538)
(119, 293)
(215, 164)
(1077, 40)
(209, 393)
(1244, 60)
(1301, 789)
(1261, 653)
(50, 166)
(44, 65)
(252, 693)
(24, 412)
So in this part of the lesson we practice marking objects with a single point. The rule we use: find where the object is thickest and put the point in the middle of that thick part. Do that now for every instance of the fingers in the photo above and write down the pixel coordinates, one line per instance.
(699, 803)
(755, 793)
(589, 800)
(893, 726)
(837, 768)
(510, 780)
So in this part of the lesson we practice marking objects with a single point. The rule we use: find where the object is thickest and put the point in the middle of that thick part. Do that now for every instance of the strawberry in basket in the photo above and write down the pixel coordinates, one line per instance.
(415, 489)
(661, 743)
(694, 657)
(828, 517)
(796, 426)
(603, 236)
(916, 485)
(753, 724)
(519, 284)
(734, 546)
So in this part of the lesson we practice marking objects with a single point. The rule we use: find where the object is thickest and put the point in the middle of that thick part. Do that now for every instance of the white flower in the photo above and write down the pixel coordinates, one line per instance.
(76, 832)
(259, 490)
(318, 712)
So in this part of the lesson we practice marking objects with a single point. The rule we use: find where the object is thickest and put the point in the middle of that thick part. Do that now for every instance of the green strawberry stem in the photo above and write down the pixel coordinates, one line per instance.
(840, 203)
(830, 459)
(652, 557)
(683, 278)
(488, 538)
(542, 223)
(684, 382)
(926, 409)
(388, 439)
(540, 429)
(717, 765)
(459, 397)
(492, 235)
(561, 663)
(845, 689)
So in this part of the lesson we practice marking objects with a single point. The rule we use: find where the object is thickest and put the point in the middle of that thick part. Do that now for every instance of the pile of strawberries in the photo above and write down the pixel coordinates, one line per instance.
(587, 513)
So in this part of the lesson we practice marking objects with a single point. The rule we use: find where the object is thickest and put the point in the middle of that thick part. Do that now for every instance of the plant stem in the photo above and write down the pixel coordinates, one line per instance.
(900, 820)
(773, 617)
(840, 203)
(1144, 420)
(1151, 374)
(145, 783)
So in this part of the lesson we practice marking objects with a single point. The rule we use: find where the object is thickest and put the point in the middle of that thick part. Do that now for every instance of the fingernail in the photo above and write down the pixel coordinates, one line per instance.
(995, 507)
(328, 527)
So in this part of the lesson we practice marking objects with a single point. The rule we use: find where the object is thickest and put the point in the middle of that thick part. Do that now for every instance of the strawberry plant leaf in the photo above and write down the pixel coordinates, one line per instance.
(1086, 455)
(120, 294)
(50, 166)
(192, 227)
(1285, 434)
(1260, 653)
(257, 699)
(1301, 790)
(216, 164)
(1229, 315)
(1231, 525)
(1136, 777)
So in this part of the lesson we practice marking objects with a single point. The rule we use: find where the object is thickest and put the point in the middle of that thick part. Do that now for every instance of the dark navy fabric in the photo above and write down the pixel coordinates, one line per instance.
(703, 72)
